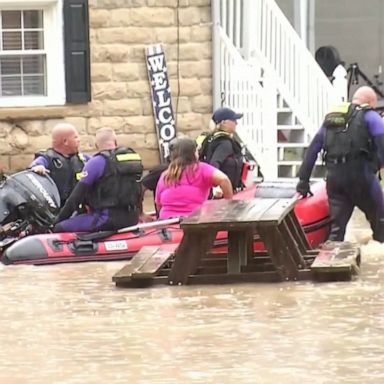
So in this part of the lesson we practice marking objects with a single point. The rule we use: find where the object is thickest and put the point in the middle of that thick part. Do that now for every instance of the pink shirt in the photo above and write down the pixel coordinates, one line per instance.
(187, 195)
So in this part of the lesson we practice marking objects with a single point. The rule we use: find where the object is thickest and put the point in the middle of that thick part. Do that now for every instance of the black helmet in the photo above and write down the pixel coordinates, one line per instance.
(27, 195)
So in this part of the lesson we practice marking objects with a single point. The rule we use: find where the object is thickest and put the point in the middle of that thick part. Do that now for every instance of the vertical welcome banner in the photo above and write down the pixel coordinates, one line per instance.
(161, 98)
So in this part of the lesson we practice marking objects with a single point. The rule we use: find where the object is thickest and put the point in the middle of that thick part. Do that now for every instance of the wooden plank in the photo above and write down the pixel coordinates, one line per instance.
(223, 212)
(268, 238)
(259, 277)
(238, 250)
(337, 257)
(298, 232)
(136, 263)
(277, 212)
(279, 252)
(155, 262)
(291, 245)
(287, 256)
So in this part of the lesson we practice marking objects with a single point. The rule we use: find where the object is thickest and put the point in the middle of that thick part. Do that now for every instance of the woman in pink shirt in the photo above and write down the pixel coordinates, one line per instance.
(185, 185)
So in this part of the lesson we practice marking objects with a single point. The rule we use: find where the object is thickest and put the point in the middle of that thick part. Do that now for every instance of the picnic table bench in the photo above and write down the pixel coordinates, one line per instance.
(265, 243)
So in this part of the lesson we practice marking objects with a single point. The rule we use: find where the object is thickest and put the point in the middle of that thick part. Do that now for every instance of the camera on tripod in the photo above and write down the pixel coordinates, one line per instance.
(328, 59)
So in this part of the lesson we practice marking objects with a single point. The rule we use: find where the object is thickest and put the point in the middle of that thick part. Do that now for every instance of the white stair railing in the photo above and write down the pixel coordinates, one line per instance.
(242, 91)
(276, 45)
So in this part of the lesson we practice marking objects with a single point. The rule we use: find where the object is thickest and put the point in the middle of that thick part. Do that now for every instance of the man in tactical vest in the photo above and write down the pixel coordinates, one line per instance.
(62, 162)
(220, 149)
(110, 187)
(352, 140)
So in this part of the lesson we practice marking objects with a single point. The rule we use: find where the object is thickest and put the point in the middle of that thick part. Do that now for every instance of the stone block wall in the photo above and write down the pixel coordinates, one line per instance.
(119, 32)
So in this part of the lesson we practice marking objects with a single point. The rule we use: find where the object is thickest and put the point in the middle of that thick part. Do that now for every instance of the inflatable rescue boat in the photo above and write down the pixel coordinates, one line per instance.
(32, 199)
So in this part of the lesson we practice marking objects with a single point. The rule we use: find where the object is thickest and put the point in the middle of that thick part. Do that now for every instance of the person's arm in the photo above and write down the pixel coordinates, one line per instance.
(221, 179)
(75, 199)
(223, 150)
(375, 126)
(92, 173)
(152, 178)
(144, 218)
(311, 154)
(159, 189)
(308, 163)
(86, 157)
(39, 165)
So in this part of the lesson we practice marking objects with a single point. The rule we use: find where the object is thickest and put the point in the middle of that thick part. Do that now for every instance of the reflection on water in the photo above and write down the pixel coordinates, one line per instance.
(69, 324)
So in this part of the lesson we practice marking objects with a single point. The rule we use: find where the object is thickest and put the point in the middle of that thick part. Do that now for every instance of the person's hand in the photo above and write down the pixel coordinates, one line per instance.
(40, 169)
(303, 188)
(217, 192)
(145, 218)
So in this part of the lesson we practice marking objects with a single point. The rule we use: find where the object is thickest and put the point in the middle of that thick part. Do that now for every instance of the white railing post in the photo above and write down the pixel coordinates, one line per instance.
(279, 49)
(248, 12)
(243, 92)
(300, 19)
(216, 59)
(270, 154)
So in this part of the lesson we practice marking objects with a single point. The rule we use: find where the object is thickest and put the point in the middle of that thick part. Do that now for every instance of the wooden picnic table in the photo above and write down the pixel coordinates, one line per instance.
(282, 251)
(273, 219)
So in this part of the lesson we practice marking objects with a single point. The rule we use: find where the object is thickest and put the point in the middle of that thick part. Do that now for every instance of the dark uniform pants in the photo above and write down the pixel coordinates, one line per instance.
(104, 220)
(353, 185)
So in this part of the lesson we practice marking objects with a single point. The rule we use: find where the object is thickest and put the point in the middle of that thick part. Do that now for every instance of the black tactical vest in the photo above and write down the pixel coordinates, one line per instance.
(65, 171)
(120, 186)
(347, 137)
(233, 165)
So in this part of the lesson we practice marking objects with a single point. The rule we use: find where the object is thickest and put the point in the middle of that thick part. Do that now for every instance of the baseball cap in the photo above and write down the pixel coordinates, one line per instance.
(222, 114)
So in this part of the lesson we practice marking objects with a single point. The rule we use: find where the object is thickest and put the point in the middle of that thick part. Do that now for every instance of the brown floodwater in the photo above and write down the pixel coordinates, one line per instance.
(70, 324)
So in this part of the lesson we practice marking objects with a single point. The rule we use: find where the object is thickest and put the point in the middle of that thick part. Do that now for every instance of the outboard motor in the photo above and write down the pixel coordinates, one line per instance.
(29, 198)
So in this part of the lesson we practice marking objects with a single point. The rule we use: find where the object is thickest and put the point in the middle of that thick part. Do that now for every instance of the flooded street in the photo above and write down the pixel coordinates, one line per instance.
(70, 324)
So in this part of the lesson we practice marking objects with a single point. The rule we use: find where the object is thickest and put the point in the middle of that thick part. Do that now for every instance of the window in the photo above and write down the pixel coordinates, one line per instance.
(23, 58)
(44, 52)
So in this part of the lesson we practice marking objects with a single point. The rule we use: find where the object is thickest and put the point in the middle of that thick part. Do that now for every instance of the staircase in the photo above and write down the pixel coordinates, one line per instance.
(266, 72)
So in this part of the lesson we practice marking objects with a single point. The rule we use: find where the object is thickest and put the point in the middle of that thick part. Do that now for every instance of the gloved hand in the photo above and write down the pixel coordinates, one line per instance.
(303, 188)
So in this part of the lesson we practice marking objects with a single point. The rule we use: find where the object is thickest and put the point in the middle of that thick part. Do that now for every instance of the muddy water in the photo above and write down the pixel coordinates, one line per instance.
(69, 324)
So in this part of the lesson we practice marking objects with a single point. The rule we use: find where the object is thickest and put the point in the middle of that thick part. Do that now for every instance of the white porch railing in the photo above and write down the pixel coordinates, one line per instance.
(279, 49)
(260, 30)
(242, 91)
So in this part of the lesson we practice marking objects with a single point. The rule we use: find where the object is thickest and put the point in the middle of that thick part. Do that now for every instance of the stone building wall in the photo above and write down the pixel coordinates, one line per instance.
(119, 32)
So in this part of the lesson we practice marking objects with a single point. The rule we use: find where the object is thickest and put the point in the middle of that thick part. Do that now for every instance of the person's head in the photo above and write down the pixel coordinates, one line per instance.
(225, 119)
(65, 139)
(105, 139)
(365, 95)
(183, 153)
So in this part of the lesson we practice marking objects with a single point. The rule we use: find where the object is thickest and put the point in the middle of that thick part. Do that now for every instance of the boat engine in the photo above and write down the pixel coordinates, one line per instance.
(29, 203)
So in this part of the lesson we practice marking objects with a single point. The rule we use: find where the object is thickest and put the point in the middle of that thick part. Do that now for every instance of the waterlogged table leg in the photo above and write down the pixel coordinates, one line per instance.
(238, 250)
(194, 245)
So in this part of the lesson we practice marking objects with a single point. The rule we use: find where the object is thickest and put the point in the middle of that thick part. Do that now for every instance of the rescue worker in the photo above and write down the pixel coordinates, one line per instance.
(352, 140)
(62, 162)
(149, 182)
(221, 150)
(110, 187)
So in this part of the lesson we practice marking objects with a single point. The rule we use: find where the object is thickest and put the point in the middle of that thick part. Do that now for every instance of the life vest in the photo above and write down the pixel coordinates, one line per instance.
(120, 186)
(347, 137)
(65, 171)
(233, 165)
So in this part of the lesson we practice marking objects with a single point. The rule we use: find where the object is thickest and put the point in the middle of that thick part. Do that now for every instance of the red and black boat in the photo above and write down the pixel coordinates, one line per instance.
(37, 208)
